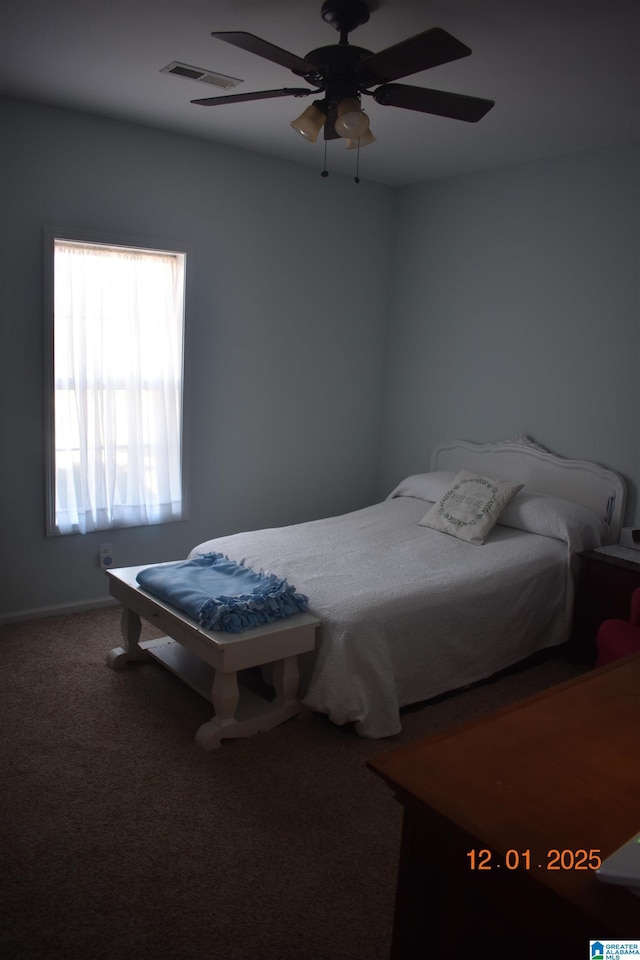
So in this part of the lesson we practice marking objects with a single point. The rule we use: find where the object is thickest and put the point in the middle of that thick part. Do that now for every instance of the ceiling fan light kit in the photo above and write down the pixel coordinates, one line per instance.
(344, 73)
(310, 122)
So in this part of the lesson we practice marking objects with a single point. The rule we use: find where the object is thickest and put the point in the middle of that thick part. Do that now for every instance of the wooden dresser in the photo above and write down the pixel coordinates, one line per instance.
(507, 817)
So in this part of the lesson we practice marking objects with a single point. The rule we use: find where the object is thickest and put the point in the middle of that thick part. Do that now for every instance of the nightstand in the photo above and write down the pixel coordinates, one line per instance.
(605, 585)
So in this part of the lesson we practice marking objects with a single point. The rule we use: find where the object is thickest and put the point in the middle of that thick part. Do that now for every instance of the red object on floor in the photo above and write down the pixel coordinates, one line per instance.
(620, 638)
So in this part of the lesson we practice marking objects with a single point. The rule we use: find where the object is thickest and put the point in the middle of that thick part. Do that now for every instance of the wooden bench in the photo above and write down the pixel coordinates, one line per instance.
(209, 660)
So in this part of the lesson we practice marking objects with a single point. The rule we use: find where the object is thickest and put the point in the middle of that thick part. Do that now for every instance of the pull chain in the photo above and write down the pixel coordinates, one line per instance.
(325, 172)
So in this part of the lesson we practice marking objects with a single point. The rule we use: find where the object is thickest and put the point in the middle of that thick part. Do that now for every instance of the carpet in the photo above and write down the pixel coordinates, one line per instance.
(123, 840)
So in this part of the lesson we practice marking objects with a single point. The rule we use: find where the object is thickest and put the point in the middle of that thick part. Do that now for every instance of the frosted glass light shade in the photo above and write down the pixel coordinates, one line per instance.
(351, 122)
(309, 123)
(363, 141)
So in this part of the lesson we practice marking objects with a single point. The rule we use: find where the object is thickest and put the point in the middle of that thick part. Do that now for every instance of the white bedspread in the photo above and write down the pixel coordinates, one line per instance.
(407, 612)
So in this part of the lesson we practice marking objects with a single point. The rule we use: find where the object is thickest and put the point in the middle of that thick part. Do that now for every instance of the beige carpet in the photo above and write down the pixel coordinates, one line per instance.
(123, 840)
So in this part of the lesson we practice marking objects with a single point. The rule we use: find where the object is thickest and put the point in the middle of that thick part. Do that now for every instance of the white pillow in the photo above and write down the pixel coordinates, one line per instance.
(470, 507)
(580, 527)
(425, 486)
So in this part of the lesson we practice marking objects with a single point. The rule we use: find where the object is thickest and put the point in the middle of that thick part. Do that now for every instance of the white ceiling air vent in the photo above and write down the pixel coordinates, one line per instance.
(202, 76)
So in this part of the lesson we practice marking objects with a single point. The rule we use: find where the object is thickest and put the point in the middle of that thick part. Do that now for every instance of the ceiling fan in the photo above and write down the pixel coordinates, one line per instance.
(343, 73)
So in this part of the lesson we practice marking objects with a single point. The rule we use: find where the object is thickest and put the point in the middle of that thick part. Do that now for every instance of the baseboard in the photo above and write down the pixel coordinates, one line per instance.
(57, 610)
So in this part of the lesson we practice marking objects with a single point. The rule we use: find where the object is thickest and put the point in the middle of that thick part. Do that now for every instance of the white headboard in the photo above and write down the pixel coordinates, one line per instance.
(582, 481)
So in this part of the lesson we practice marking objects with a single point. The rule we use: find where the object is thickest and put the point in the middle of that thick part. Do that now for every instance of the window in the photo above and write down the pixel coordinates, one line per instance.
(116, 334)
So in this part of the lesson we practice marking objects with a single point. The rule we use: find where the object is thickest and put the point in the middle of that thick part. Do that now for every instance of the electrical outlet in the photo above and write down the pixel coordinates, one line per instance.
(106, 555)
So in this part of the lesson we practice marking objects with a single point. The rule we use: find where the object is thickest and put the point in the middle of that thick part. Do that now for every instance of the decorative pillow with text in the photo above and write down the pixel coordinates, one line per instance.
(470, 507)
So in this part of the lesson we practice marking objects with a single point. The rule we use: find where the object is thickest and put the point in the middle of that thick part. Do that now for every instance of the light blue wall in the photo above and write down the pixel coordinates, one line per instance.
(287, 302)
(515, 310)
(335, 332)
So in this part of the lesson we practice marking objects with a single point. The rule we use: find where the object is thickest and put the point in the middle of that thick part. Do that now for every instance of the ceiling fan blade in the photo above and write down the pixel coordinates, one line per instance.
(457, 106)
(261, 48)
(258, 95)
(425, 50)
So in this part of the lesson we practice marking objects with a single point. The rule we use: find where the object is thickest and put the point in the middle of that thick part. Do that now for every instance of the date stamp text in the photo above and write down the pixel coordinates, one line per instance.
(526, 860)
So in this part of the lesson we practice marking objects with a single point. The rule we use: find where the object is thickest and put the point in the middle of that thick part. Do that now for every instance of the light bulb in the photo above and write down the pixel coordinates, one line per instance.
(351, 122)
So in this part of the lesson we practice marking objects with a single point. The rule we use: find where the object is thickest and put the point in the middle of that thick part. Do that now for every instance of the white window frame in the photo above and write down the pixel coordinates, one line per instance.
(51, 235)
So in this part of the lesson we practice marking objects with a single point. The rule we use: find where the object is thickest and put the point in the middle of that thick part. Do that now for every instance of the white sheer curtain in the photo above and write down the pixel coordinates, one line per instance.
(118, 349)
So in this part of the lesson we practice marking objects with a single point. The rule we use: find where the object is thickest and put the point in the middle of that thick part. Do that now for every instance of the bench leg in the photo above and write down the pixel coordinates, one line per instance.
(131, 628)
(224, 696)
(285, 680)
(235, 717)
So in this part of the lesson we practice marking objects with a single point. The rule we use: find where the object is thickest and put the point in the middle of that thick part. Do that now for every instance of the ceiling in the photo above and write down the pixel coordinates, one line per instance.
(564, 74)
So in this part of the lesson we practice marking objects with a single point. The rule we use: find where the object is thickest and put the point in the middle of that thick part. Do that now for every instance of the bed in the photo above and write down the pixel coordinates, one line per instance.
(408, 612)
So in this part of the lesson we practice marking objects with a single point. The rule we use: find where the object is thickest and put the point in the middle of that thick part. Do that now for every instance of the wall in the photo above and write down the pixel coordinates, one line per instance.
(335, 332)
(286, 306)
(515, 310)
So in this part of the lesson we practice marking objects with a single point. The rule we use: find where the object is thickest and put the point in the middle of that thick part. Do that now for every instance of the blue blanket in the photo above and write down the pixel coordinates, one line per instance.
(222, 594)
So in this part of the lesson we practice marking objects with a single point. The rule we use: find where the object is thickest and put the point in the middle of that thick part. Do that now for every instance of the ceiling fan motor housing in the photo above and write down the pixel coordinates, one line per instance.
(336, 65)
